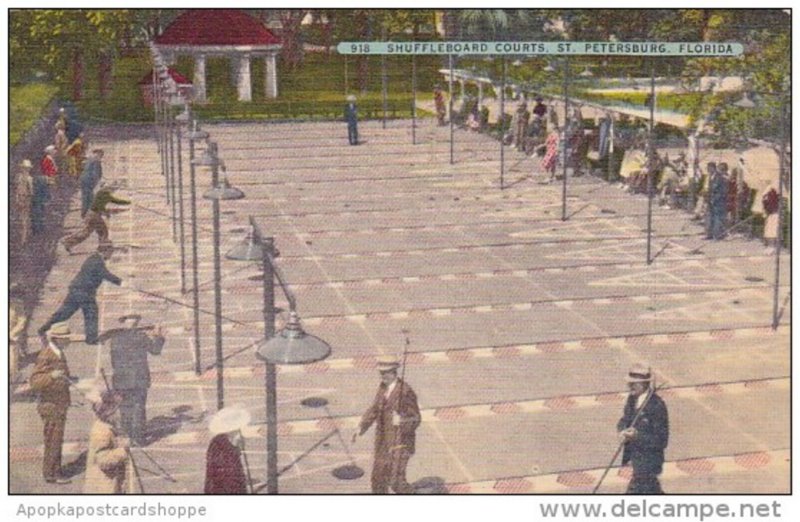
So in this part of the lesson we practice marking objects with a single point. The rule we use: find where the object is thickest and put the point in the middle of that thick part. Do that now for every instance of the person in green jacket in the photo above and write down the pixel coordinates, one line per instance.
(94, 222)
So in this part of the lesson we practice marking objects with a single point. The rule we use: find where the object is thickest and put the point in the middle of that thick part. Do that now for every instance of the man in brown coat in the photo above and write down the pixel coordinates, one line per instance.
(51, 380)
(396, 416)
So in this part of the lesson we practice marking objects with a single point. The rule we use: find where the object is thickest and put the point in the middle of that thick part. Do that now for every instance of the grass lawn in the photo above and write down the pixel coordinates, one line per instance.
(315, 90)
(26, 105)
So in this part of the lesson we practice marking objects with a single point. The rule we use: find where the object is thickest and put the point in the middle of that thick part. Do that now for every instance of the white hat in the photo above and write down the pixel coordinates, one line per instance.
(50, 148)
(387, 363)
(350, 98)
(26, 164)
(227, 420)
(639, 373)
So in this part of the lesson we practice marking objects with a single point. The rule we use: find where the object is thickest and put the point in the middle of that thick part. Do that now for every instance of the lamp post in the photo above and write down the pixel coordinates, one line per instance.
(195, 135)
(651, 162)
(162, 135)
(290, 346)
(450, 112)
(172, 100)
(413, 99)
(181, 120)
(747, 103)
(502, 123)
(218, 192)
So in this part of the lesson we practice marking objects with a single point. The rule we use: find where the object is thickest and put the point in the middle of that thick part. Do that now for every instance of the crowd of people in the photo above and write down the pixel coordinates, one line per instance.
(614, 148)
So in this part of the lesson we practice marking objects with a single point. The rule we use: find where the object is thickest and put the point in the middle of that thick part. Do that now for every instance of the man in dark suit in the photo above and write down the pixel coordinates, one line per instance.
(129, 348)
(351, 116)
(91, 176)
(644, 429)
(395, 413)
(50, 379)
(83, 293)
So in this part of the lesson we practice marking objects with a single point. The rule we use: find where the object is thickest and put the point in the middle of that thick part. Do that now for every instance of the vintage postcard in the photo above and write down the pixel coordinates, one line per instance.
(399, 251)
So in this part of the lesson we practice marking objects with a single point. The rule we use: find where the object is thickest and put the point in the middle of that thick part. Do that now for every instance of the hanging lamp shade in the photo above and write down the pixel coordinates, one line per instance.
(292, 345)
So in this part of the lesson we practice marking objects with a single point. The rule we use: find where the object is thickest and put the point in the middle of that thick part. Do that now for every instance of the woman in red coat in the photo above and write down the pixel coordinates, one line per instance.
(225, 474)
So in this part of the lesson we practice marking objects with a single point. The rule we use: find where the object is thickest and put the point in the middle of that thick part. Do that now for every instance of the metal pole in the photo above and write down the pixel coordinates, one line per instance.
(164, 150)
(450, 114)
(345, 75)
(651, 161)
(566, 140)
(270, 377)
(782, 163)
(413, 99)
(217, 294)
(502, 124)
(195, 276)
(155, 109)
(180, 210)
(162, 137)
(171, 157)
(384, 81)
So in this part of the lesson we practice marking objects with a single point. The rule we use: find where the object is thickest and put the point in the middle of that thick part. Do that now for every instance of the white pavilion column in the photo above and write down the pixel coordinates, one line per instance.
(271, 76)
(463, 90)
(480, 95)
(243, 83)
(200, 78)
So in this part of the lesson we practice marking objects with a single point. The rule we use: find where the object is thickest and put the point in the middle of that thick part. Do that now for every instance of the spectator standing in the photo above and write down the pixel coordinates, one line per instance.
(438, 99)
(61, 144)
(107, 459)
(22, 202)
(76, 154)
(351, 117)
(770, 202)
(225, 474)
(41, 195)
(522, 117)
(717, 200)
(17, 331)
(540, 109)
(48, 165)
(51, 380)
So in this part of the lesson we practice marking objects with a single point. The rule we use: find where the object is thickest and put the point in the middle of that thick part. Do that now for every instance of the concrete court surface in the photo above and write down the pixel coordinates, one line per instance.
(521, 325)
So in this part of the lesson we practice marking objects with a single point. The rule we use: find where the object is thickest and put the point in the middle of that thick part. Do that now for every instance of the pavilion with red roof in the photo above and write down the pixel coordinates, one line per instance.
(222, 32)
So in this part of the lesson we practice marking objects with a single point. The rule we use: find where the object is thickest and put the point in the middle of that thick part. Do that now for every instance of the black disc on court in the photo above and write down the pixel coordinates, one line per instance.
(754, 279)
(348, 472)
(314, 402)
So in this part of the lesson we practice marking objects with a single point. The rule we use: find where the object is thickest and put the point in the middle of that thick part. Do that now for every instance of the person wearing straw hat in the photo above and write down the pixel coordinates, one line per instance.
(129, 349)
(22, 202)
(225, 474)
(51, 380)
(351, 116)
(107, 458)
(83, 293)
(644, 430)
(395, 413)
